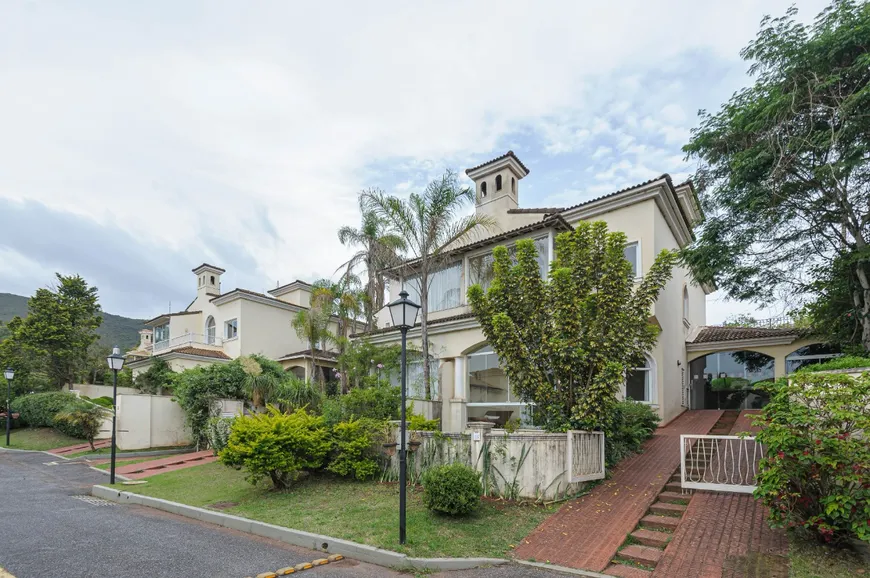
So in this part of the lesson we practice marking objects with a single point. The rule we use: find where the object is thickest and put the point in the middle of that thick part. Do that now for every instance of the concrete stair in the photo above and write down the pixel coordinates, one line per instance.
(651, 538)
(667, 509)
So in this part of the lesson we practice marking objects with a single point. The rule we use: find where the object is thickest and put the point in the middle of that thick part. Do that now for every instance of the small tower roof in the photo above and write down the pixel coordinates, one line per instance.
(508, 159)
(210, 268)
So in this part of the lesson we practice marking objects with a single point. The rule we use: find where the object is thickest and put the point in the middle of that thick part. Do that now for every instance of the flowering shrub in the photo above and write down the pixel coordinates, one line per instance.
(817, 471)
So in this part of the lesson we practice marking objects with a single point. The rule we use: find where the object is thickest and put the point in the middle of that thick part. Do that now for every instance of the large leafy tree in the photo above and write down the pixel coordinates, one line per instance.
(566, 342)
(784, 171)
(431, 223)
(58, 330)
(377, 249)
(312, 326)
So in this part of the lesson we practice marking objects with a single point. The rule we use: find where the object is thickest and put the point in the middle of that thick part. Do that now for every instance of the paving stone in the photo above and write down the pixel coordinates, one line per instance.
(640, 554)
(667, 509)
(659, 522)
(651, 537)
(623, 571)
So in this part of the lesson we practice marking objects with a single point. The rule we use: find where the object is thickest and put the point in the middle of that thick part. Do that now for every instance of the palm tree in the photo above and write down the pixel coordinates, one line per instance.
(312, 326)
(379, 249)
(430, 223)
(346, 304)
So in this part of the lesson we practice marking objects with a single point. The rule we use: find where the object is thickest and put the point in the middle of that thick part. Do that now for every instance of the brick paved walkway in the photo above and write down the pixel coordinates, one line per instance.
(744, 424)
(724, 536)
(98, 444)
(168, 464)
(585, 533)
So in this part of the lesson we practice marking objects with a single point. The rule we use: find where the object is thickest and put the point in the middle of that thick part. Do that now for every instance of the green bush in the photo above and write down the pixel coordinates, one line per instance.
(418, 422)
(378, 403)
(104, 401)
(818, 461)
(197, 391)
(276, 446)
(633, 423)
(356, 447)
(453, 489)
(217, 431)
(725, 383)
(156, 378)
(293, 393)
(40, 409)
(83, 423)
(845, 362)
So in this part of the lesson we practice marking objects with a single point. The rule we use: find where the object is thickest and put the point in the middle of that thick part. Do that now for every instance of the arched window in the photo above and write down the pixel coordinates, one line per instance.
(686, 303)
(210, 330)
(212, 279)
(297, 371)
(640, 382)
(498, 182)
(483, 189)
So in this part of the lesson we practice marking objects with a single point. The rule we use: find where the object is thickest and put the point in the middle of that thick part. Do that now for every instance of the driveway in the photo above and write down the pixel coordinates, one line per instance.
(47, 528)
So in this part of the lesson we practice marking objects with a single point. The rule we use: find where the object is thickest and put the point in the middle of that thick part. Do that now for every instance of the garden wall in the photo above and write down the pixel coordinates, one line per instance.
(150, 421)
(528, 464)
(93, 391)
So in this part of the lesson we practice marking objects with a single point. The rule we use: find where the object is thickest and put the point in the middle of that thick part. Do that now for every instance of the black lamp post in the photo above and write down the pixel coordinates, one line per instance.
(116, 362)
(9, 373)
(404, 314)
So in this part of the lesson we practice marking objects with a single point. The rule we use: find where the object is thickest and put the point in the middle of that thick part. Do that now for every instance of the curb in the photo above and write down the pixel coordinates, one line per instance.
(319, 542)
(563, 569)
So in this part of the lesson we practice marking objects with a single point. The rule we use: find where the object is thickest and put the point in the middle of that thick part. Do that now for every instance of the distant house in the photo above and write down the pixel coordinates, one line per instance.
(655, 215)
(218, 327)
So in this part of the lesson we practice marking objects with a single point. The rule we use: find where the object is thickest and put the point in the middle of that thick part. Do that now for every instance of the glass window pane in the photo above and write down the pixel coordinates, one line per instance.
(445, 288)
(631, 255)
(636, 385)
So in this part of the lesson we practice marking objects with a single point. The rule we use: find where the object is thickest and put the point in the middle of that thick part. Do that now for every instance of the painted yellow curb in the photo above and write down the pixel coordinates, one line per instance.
(285, 571)
(5, 574)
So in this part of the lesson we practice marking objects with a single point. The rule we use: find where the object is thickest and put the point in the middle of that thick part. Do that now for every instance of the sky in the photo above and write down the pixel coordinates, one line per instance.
(140, 139)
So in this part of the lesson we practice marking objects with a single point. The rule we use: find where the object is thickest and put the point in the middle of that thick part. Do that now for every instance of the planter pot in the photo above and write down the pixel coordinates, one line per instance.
(390, 449)
(412, 446)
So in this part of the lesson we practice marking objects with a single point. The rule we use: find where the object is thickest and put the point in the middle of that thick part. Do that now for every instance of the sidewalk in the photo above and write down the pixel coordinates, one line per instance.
(168, 464)
(587, 532)
(98, 444)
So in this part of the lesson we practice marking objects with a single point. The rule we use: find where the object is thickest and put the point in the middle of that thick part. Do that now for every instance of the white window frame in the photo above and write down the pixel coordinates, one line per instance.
(639, 273)
(466, 262)
(211, 336)
(653, 381)
(461, 263)
(231, 323)
(165, 333)
(686, 310)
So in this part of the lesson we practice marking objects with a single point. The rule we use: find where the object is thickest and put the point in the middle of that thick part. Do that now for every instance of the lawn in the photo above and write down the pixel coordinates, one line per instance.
(40, 439)
(364, 512)
(810, 559)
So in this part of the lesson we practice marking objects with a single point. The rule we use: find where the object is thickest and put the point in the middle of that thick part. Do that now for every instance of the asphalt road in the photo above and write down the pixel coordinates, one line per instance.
(46, 529)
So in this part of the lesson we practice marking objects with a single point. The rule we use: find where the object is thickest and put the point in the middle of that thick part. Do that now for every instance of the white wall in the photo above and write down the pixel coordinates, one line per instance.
(150, 421)
(92, 391)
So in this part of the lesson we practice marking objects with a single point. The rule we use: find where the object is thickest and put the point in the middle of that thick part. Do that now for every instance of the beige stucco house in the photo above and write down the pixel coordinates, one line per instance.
(655, 215)
(218, 327)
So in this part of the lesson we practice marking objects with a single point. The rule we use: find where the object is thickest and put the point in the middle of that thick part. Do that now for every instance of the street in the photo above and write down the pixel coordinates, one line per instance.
(47, 527)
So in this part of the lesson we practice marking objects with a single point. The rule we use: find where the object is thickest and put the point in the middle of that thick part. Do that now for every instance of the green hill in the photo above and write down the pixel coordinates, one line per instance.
(115, 330)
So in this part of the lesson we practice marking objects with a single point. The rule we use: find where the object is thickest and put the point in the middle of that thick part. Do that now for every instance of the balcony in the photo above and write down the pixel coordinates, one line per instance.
(187, 340)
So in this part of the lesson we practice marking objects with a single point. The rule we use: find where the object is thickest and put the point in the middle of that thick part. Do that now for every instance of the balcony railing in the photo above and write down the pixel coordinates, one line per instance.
(186, 340)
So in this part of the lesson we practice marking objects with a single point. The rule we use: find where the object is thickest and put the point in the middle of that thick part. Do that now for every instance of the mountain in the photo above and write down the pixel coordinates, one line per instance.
(115, 330)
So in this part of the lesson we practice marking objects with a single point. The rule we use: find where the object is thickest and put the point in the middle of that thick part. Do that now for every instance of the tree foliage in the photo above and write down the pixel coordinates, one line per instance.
(784, 171)
(197, 390)
(157, 378)
(312, 326)
(431, 223)
(566, 342)
(82, 422)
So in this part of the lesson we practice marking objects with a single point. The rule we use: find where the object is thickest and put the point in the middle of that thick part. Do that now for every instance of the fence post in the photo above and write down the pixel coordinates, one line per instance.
(479, 436)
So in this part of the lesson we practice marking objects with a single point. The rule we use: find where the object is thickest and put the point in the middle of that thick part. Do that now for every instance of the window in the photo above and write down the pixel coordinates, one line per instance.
(483, 189)
(632, 255)
(640, 382)
(480, 266)
(210, 330)
(490, 396)
(445, 288)
(686, 303)
(212, 279)
(416, 385)
(810, 355)
(231, 329)
(297, 371)
(498, 182)
(513, 185)
(161, 333)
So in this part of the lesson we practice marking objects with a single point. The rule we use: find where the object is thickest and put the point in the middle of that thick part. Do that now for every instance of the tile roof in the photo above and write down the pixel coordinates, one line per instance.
(318, 353)
(496, 159)
(198, 352)
(431, 322)
(296, 282)
(245, 291)
(712, 334)
(195, 269)
(665, 176)
(170, 315)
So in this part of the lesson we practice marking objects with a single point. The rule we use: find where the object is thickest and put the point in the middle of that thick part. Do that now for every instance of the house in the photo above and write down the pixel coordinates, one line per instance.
(217, 327)
(655, 215)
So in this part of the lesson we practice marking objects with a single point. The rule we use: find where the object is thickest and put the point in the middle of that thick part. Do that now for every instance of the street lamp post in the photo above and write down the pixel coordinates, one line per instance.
(116, 362)
(404, 315)
(9, 373)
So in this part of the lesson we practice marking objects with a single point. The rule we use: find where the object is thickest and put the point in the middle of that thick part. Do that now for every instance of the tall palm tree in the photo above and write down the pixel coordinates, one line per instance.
(379, 249)
(431, 224)
(347, 303)
(312, 326)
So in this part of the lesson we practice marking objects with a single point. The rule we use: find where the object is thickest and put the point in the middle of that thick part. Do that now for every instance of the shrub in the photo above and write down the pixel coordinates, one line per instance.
(81, 423)
(419, 422)
(845, 362)
(725, 383)
(633, 423)
(217, 431)
(40, 409)
(818, 459)
(378, 403)
(276, 446)
(293, 393)
(104, 401)
(355, 448)
(453, 489)
(156, 378)
(197, 391)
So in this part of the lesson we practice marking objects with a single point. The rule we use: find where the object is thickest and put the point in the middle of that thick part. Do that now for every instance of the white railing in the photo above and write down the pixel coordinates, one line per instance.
(585, 456)
(185, 340)
(719, 463)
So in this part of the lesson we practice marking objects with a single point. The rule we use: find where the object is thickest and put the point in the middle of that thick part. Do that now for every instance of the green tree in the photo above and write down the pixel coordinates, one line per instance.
(59, 328)
(566, 342)
(312, 326)
(378, 249)
(784, 171)
(431, 223)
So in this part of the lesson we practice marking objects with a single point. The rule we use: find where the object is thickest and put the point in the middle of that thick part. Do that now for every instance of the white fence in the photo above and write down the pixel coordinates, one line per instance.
(585, 456)
(719, 463)
(185, 340)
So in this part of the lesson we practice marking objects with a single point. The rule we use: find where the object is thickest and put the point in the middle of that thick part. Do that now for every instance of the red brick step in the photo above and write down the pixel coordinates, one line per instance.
(677, 488)
(666, 509)
(640, 555)
(651, 538)
(659, 522)
(623, 571)
(672, 497)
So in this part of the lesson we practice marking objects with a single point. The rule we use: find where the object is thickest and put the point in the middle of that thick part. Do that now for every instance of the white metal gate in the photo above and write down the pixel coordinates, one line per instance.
(585, 456)
(719, 463)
